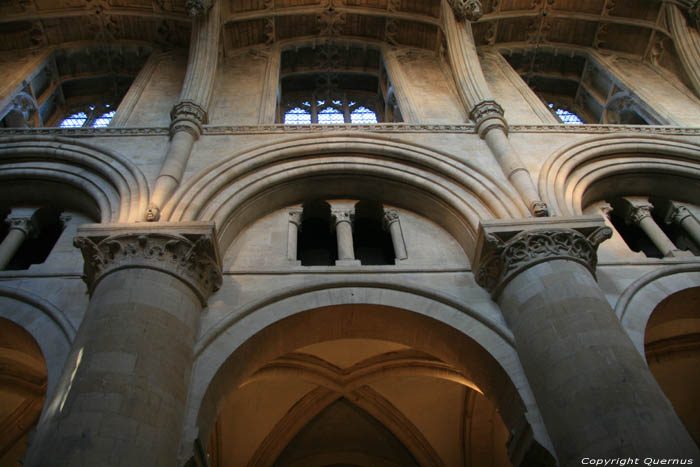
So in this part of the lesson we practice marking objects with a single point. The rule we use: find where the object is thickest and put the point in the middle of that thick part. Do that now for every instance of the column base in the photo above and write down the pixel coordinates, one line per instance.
(348, 262)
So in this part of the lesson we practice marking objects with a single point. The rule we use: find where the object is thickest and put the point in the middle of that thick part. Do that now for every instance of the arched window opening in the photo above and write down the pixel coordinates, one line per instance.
(316, 240)
(373, 245)
(75, 120)
(671, 344)
(578, 89)
(332, 84)
(634, 237)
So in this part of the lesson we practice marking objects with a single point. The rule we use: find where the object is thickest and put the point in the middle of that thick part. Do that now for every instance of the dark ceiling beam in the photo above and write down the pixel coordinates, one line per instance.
(316, 9)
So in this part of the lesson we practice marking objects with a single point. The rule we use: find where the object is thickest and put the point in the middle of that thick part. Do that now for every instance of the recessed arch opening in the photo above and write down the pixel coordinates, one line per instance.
(672, 348)
(23, 386)
(380, 364)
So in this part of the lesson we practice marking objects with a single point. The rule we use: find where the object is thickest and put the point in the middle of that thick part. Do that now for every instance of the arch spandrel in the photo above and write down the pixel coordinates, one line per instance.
(481, 350)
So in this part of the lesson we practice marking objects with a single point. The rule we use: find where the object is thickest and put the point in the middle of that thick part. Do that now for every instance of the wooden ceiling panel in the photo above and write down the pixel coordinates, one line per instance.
(376, 4)
(134, 28)
(239, 6)
(422, 7)
(514, 5)
(16, 35)
(58, 30)
(45, 5)
(287, 27)
(372, 27)
(244, 33)
(594, 7)
(636, 9)
(624, 38)
(293, 3)
(483, 32)
(146, 5)
(417, 34)
(571, 31)
(514, 29)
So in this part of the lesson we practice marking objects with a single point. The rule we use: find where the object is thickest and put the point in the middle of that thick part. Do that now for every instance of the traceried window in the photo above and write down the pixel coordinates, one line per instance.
(567, 117)
(334, 85)
(96, 116)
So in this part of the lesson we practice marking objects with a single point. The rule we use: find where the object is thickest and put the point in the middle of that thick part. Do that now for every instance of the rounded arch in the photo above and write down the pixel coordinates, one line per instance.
(640, 299)
(116, 185)
(46, 323)
(480, 348)
(453, 192)
(571, 172)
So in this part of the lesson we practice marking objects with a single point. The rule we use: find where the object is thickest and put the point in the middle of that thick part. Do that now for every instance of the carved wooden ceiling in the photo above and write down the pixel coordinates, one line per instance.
(624, 26)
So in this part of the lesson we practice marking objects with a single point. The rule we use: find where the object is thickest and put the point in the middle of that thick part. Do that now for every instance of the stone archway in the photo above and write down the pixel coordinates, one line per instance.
(672, 348)
(308, 347)
(23, 387)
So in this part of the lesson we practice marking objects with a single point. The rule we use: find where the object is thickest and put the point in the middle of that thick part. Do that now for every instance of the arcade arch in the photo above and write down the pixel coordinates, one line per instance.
(342, 350)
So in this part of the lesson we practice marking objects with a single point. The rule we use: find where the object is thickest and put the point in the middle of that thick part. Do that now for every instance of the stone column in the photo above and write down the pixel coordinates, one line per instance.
(687, 42)
(638, 212)
(392, 224)
(293, 234)
(401, 85)
(593, 389)
(343, 231)
(271, 85)
(21, 226)
(190, 114)
(483, 110)
(121, 398)
(680, 215)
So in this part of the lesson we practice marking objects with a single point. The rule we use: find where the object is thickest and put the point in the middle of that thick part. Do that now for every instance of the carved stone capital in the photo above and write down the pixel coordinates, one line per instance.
(295, 217)
(637, 213)
(469, 10)
(196, 8)
(487, 115)
(390, 216)
(188, 252)
(25, 224)
(507, 248)
(187, 116)
(342, 215)
(678, 214)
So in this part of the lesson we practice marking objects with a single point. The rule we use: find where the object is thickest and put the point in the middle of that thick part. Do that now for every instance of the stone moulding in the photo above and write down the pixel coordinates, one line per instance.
(216, 130)
(188, 252)
(507, 248)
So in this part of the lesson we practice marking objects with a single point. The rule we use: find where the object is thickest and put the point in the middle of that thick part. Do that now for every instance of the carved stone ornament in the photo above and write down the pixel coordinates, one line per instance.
(191, 258)
(295, 217)
(486, 115)
(187, 116)
(343, 215)
(25, 224)
(504, 260)
(636, 214)
(469, 10)
(390, 216)
(197, 7)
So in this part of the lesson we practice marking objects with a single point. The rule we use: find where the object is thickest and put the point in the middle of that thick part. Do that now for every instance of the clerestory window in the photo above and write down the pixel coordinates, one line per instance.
(95, 116)
(346, 108)
(567, 117)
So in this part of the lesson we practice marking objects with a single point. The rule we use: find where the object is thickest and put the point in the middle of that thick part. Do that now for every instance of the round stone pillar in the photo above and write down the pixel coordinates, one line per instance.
(122, 395)
(21, 225)
(593, 389)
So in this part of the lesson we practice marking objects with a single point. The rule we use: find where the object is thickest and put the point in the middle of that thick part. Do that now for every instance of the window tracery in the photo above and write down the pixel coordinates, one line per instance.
(93, 115)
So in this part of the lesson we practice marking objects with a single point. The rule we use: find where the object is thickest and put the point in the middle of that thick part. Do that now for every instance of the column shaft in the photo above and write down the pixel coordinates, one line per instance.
(293, 234)
(692, 226)
(391, 222)
(9, 246)
(657, 236)
(593, 389)
(343, 231)
(121, 398)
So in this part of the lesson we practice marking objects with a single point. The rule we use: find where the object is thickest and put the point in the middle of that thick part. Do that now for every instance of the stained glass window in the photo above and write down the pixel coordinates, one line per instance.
(75, 120)
(103, 120)
(567, 117)
(362, 115)
(330, 115)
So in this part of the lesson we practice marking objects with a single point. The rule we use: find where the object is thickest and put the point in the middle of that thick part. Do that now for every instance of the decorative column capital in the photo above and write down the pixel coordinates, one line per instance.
(488, 115)
(188, 252)
(636, 213)
(24, 222)
(469, 10)
(390, 216)
(506, 248)
(295, 217)
(196, 8)
(678, 214)
(187, 116)
(342, 215)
